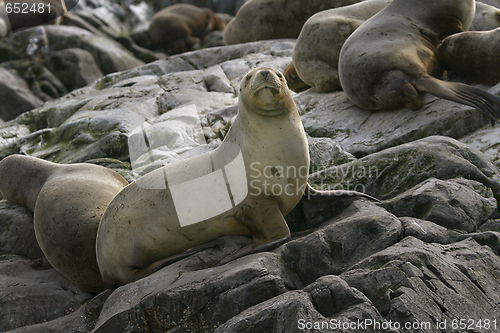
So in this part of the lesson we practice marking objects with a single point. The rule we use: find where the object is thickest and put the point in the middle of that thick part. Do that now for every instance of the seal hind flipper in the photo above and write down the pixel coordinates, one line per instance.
(313, 195)
(487, 103)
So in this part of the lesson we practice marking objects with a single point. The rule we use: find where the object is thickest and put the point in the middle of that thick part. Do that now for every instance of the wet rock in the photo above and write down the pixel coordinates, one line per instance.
(75, 68)
(459, 204)
(15, 95)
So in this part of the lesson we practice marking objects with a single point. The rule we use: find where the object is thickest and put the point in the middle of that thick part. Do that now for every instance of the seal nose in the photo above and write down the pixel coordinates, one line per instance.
(265, 74)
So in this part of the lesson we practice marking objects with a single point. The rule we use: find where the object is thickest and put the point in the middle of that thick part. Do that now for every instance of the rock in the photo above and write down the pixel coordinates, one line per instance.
(17, 235)
(75, 68)
(392, 171)
(362, 132)
(218, 6)
(29, 296)
(358, 232)
(110, 56)
(458, 204)
(15, 95)
(421, 283)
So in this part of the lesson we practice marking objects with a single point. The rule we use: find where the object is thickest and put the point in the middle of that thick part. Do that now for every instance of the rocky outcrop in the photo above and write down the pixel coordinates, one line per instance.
(426, 255)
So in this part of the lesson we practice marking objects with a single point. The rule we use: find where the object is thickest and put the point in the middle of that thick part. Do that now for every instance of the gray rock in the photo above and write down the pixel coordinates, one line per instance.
(109, 55)
(15, 95)
(362, 132)
(412, 281)
(29, 296)
(392, 171)
(17, 235)
(75, 68)
(459, 204)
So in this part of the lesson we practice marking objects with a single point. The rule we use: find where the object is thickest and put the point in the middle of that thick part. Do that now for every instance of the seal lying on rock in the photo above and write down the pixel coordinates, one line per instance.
(473, 55)
(389, 61)
(244, 187)
(487, 17)
(68, 201)
(178, 27)
(273, 19)
(316, 54)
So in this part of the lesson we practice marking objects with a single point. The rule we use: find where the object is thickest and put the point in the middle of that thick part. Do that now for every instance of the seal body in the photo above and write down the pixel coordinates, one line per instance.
(293, 79)
(316, 54)
(487, 17)
(145, 225)
(473, 55)
(389, 61)
(178, 27)
(273, 19)
(68, 201)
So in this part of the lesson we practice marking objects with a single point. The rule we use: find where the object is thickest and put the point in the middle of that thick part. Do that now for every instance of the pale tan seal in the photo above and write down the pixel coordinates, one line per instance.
(473, 55)
(273, 19)
(178, 27)
(68, 202)
(244, 187)
(389, 61)
(316, 53)
(487, 17)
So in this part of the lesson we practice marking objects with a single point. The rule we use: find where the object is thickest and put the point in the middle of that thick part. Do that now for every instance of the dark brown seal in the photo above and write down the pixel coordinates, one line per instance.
(389, 61)
(178, 27)
(473, 55)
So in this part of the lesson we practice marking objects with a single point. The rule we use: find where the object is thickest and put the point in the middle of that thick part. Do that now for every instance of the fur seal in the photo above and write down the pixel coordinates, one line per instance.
(389, 61)
(316, 53)
(178, 27)
(293, 79)
(68, 201)
(244, 187)
(273, 19)
(487, 17)
(473, 55)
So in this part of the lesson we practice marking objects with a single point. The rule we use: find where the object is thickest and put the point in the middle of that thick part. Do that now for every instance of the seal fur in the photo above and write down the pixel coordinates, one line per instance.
(473, 55)
(389, 61)
(487, 17)
(178, 27)
(316, 54)
(68, 201)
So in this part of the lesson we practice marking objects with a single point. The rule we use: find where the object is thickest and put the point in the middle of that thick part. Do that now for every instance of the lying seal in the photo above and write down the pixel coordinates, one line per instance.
(244, 187)
(487, 17)
(178, 27)
(68, 202)
(33, 13)
(274, 19)
(316, 53)
(389, 61)
(293, 80)
(473, 55)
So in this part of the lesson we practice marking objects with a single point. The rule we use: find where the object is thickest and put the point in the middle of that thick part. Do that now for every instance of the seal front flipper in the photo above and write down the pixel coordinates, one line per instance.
(488, 103)
(263, 217)
(313, 195)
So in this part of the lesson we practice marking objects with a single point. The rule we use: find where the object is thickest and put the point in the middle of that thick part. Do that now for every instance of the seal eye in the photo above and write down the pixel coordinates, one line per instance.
(248, 78)
(279, 75)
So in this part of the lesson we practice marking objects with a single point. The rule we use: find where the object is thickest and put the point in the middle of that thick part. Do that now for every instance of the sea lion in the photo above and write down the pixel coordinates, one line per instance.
(68, 202)
(316, 53)
(293, 79)
(33, 13)
(273, 19)
(487, 17)
(473, 55)
(244, 187)
(389, 61)
(178, 27)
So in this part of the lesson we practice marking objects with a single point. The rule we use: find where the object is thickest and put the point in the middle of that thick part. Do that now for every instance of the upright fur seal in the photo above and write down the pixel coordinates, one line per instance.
(68, 201)
(473, 55)
(273, 19)
(389, 61)
(246, 186)
(178, 27)
(316, 54)
(487, 17)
